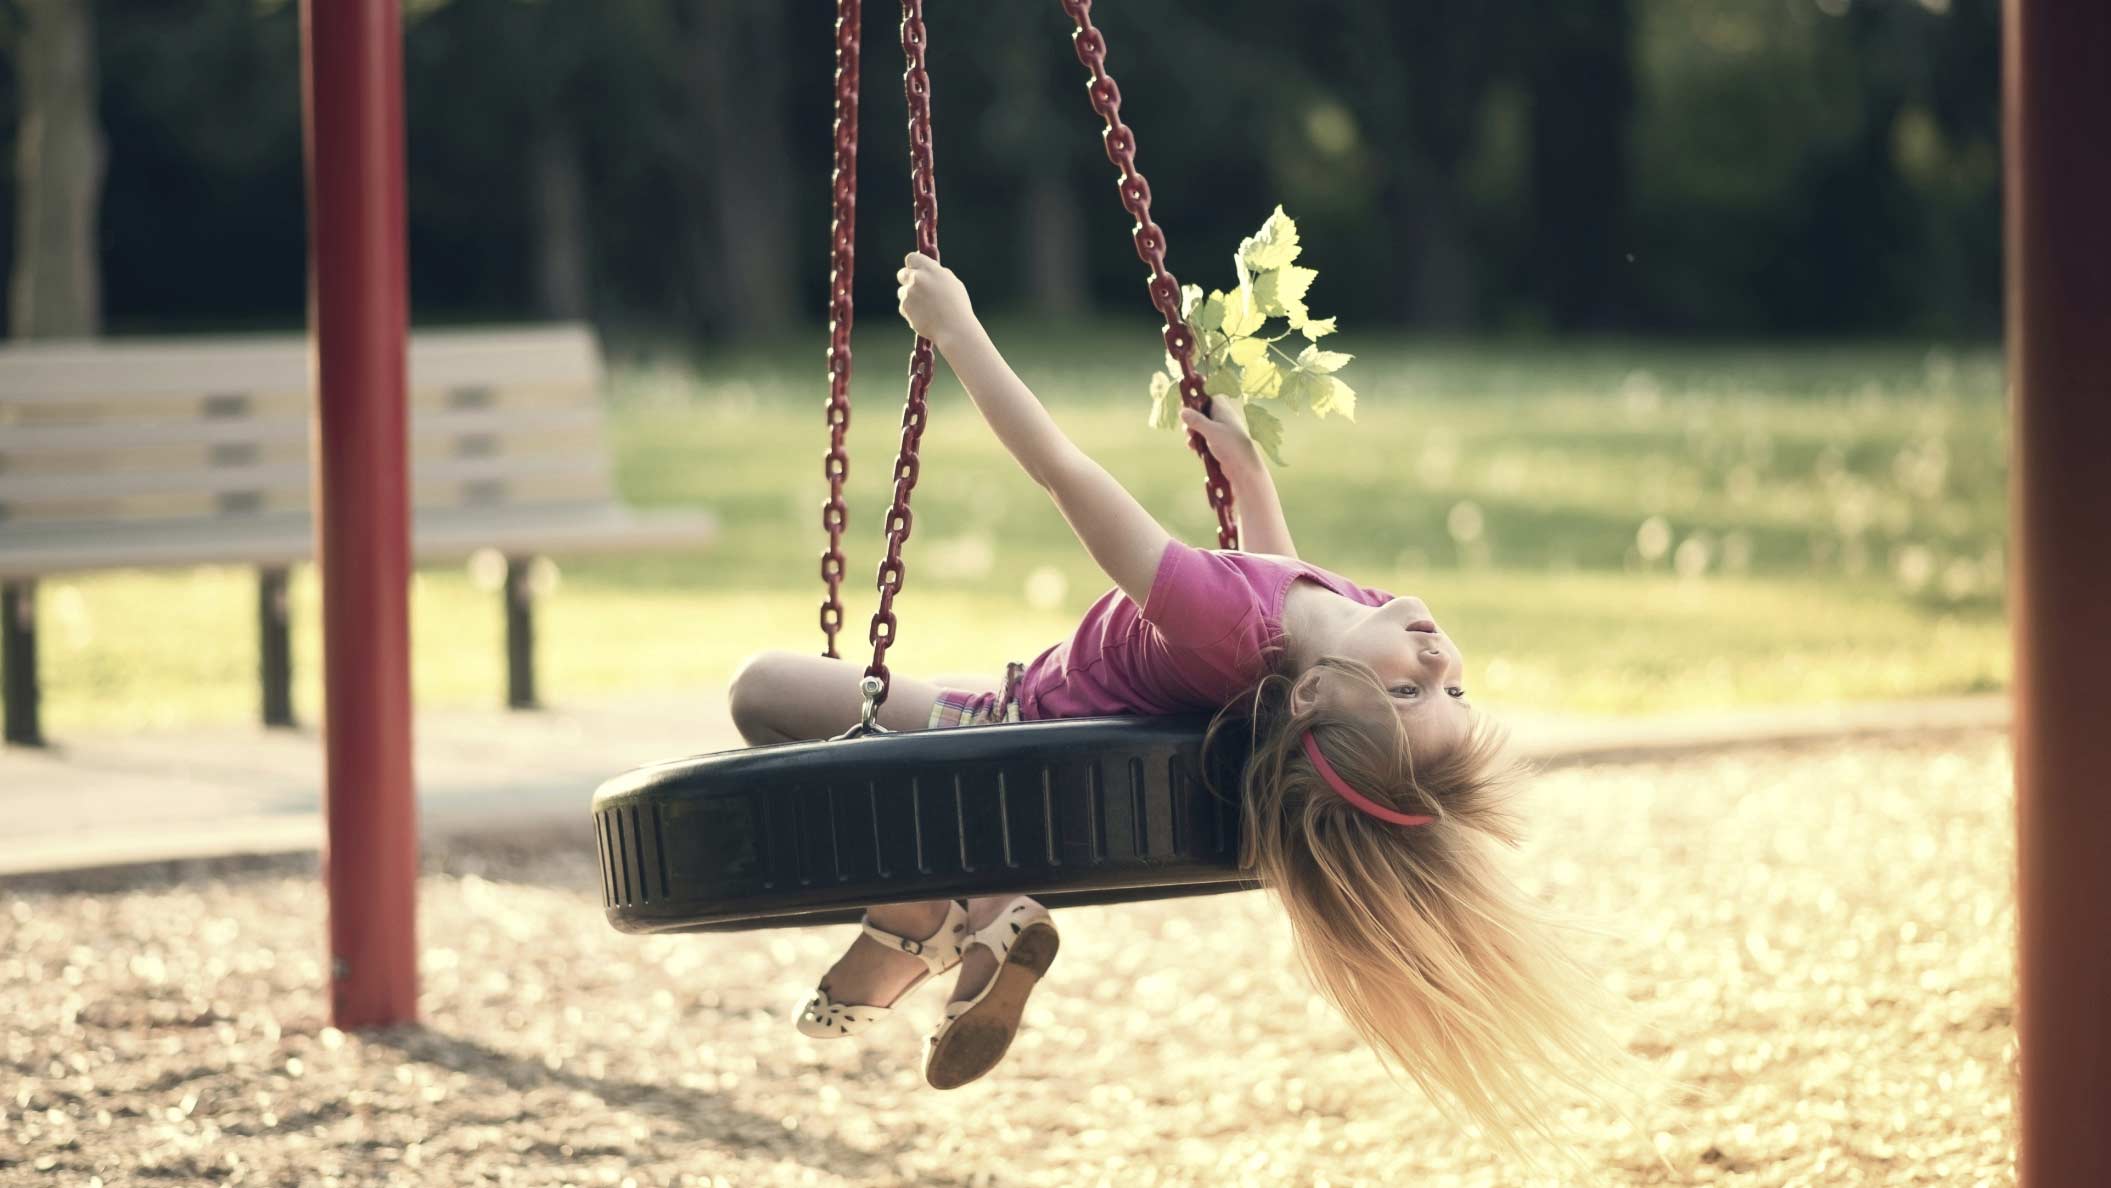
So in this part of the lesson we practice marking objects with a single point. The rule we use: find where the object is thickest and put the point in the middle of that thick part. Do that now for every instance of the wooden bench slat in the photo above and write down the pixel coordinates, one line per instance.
(208, 431)
(438, 535)
(279, 476)
(110, 370)
(147, 510)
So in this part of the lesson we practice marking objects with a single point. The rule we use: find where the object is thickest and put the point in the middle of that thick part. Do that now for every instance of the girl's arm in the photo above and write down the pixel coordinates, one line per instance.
(1262, 528)
(1121, 536)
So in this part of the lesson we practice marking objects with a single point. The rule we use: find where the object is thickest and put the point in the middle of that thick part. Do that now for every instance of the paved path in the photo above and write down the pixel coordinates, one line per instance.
(99, 801)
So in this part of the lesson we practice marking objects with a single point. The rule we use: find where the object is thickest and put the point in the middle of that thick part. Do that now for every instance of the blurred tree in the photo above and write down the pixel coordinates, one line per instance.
(741, 264)
(528, 67)
(203, 218)
(1421, 73)
(1024, 131)
(662, 165)
(56, 289)
(1579, 63)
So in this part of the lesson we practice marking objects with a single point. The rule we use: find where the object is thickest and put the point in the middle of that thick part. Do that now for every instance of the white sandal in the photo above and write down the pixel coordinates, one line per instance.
(978, 1031)
(824, 1018)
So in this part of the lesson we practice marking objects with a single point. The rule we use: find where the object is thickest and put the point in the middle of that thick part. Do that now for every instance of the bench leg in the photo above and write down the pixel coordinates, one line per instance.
(18, 657)
(520, 636)
(274, 647)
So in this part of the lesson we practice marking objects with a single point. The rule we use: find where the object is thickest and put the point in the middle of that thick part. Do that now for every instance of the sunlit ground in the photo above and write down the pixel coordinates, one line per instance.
(1816, 944)
(1609, 528)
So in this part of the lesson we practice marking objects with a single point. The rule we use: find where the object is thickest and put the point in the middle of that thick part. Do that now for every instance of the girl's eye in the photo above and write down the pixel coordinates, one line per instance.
(1408, 691)
(1455, 691)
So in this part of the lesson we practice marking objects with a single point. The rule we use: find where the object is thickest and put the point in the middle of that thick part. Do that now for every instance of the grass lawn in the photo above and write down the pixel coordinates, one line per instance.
(1607, 528)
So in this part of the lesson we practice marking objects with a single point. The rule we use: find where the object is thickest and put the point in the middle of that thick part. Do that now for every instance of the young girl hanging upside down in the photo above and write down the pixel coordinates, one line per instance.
(1371, 801)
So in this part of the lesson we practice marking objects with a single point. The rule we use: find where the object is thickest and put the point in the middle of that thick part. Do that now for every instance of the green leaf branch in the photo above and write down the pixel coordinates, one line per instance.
(1238, 357)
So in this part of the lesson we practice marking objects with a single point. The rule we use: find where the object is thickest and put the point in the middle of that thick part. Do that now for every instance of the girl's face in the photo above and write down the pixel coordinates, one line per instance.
(1423, 671)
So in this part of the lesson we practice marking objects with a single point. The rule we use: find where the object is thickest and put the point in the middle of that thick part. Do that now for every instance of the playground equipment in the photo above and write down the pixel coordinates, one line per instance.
(1092, 811)
(2059, 308)
(2058, 192)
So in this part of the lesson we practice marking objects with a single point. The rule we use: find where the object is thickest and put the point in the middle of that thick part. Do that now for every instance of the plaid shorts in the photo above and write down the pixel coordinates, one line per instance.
(955, 707)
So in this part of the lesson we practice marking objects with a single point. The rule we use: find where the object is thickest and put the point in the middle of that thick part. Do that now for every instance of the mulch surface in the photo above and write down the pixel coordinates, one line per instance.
(1816, 941)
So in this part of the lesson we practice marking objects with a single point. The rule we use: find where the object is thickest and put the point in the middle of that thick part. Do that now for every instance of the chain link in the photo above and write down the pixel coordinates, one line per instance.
(1150, 248)
(923, 193)
(842, 246)
(1120, 142)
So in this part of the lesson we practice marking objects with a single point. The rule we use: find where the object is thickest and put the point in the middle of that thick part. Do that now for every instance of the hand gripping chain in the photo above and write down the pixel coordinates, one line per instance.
(1150, 247)
(1120, 144)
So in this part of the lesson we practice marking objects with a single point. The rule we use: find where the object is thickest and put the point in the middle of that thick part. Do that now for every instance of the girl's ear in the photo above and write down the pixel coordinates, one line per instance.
(1304, 692)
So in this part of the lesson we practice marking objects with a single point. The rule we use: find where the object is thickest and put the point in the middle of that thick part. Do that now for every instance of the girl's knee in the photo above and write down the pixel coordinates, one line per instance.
(759, 688)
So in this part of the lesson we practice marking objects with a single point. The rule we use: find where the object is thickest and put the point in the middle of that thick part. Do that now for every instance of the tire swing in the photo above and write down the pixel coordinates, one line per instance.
(1072, 811)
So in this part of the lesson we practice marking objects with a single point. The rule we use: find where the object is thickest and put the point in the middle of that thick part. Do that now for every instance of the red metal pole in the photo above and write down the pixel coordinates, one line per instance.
(352, 73)
(2056, 86)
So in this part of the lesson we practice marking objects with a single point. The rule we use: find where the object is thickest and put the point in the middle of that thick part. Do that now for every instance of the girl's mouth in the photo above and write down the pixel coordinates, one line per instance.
(1423, 625)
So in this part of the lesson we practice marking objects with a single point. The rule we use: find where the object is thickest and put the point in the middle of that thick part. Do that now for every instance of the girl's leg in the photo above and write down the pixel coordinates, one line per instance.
(792, 696)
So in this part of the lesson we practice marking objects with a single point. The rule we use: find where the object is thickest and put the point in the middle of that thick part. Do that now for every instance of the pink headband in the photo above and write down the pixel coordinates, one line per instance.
(1352, 795)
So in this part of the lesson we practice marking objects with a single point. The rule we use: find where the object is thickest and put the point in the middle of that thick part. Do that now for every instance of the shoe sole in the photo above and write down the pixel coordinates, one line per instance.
(976, 1041)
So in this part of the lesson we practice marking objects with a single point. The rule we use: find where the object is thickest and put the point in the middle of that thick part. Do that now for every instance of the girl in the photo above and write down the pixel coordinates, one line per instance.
(1369, 802)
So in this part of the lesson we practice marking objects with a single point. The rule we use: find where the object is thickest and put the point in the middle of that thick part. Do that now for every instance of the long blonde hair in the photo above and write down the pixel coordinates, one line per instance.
(1433, 955)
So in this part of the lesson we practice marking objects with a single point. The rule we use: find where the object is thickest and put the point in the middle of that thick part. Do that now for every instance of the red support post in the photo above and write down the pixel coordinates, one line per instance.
(2056, 87)
(352, 95)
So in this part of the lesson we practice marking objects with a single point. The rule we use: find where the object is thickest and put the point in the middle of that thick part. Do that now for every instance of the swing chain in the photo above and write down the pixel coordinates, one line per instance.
(842, 241)
(923, 191)
(1091, 47)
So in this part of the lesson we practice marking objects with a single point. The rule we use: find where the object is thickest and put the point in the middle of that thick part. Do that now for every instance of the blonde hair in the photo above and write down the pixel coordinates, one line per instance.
(1435, 957)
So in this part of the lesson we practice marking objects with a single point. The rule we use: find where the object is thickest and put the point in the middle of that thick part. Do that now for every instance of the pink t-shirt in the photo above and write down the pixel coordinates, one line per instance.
(1200, 639)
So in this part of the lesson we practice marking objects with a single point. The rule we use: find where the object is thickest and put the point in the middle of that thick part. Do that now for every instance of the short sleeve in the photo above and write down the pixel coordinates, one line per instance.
(1199, 599)
(1372, 596)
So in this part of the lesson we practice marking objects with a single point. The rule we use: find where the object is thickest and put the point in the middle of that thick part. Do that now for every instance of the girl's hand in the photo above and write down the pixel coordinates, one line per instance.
(1224, 431)
(933, 301)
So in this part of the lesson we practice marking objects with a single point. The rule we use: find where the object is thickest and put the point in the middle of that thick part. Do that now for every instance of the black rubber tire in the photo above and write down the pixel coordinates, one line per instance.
(1075, 811)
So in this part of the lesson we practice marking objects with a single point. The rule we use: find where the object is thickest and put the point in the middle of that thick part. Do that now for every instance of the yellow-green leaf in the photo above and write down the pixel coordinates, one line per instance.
(1260, 378)
(1190, 302)
(1245, 352)
(1297, 391)
(1213, 344)
(1266, 431)
(1330, 395)
(1165, 402)
(1224, 382)
(1316, 328)
(1273, 246)
(1240, 316)
(1323, 362)
(1281, 292)
(1208, 314)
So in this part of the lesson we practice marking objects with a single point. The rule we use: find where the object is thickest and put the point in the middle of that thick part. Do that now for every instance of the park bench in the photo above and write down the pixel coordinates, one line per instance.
(151, 453)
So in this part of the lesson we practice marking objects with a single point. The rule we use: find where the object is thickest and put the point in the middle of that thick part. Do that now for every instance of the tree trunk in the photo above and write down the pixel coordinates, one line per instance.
(1030, 128)
(559, 205)
(1055, 245)
(1442, 285)
(1582, 80)
(56, 291)
(742, 265)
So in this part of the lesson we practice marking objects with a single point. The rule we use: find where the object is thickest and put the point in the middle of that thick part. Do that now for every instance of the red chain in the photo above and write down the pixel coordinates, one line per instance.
(923, 192)
(842, 239)
(1150, 248)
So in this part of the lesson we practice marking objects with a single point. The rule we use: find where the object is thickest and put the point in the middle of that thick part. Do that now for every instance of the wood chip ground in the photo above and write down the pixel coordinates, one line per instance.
(1816, 940)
